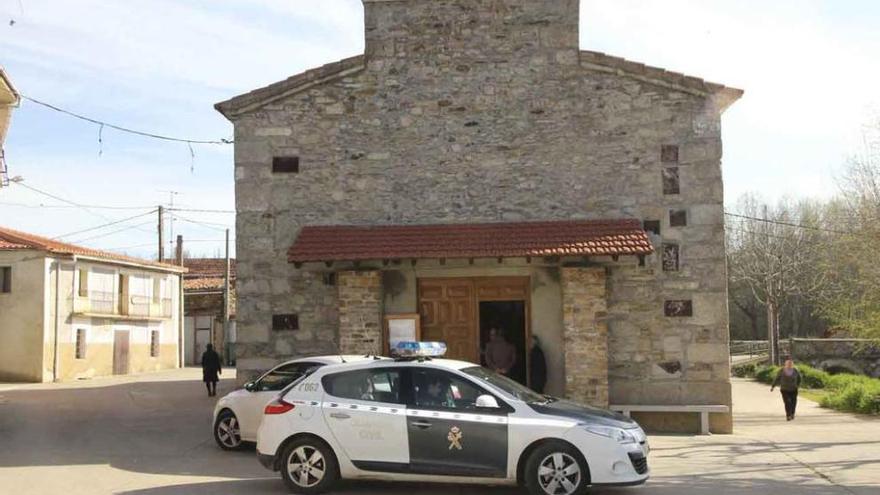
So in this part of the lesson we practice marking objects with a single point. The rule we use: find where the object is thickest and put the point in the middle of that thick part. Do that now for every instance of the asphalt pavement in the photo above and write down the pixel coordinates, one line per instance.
(151, 435)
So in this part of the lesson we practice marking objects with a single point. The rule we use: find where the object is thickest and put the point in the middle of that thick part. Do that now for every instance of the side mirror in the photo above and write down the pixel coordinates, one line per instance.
(488, 402)
(250, 386)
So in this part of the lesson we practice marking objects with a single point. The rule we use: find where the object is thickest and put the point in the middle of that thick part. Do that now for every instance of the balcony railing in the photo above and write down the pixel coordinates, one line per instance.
(106, 303)
(101, 302)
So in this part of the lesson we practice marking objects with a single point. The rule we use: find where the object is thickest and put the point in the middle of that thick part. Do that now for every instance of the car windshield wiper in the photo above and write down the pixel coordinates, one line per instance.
(547, 400)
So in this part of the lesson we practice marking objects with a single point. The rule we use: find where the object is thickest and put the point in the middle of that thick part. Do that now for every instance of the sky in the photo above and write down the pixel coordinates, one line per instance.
(808, 67)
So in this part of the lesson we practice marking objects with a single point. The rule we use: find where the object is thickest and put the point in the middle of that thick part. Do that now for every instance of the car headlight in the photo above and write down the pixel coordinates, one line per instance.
(619, 434)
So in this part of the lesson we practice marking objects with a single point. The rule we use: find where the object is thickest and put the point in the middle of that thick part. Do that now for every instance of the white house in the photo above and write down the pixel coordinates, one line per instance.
(69, 312)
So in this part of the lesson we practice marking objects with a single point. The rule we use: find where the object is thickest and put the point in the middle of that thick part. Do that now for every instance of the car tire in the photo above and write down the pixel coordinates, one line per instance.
(309, 466)
(227, 431)
(556, 468)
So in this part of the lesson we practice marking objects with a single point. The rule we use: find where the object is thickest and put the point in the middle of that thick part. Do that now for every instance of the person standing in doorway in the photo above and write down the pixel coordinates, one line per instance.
(211, 368)
(789, 381)
(500, 354)
(538, 369)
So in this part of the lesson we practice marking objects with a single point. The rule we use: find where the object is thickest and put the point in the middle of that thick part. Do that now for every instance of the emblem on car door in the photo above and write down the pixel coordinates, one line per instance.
(454, 438)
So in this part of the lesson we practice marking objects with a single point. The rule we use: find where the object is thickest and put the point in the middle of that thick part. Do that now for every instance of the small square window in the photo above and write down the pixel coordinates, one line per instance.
(330, 278)
(5, 279)
(286, 322)
(671, 183)
(678, 309)
(678, 218)
(670, 257)
(669, 153)
(285, 165)
(80, 343)
(652, 226)
(154, 343)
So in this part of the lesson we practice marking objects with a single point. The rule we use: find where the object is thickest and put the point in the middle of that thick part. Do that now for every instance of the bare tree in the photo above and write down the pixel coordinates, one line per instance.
(775, 252)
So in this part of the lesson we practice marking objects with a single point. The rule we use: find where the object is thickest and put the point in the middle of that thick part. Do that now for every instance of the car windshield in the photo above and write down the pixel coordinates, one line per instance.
(505, 384)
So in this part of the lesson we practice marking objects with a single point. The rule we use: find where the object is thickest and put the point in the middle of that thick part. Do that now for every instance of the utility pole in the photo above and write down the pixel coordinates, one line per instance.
(161, 233)
(181, 360)
(171, 195)
(226, 297)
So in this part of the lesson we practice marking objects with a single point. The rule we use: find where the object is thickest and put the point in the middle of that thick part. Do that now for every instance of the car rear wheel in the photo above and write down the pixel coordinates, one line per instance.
(309, 466)
(227, 431)
(556, 469)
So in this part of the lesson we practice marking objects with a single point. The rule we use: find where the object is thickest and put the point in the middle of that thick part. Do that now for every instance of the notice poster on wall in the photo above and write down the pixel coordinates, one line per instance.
(400, 328)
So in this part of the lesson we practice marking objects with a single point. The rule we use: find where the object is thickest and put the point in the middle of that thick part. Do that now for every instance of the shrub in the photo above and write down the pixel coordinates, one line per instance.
(766, 374)
(813, 378)
(744, 370)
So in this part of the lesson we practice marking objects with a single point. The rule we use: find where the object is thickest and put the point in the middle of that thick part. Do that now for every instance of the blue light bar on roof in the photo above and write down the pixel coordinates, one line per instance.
(409, 349)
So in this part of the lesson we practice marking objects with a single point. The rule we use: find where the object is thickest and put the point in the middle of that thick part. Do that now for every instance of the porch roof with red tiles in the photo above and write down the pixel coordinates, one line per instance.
(489, 240)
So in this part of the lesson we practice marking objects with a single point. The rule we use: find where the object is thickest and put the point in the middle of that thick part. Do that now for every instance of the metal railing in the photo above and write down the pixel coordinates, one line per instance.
(105, 303)
(100, 303)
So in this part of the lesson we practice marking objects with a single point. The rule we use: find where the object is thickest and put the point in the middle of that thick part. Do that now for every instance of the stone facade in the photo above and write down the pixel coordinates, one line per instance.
(586, 335)
(360, 312)
(486, 111)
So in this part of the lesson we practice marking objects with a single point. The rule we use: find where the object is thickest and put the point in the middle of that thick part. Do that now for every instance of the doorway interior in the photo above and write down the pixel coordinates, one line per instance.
(509, 317)
(460, 311)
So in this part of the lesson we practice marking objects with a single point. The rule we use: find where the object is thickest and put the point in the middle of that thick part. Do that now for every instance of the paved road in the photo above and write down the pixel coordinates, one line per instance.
(150, 435)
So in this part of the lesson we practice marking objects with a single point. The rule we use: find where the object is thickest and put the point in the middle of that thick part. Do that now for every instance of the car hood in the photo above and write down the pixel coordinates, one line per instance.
(585, 414)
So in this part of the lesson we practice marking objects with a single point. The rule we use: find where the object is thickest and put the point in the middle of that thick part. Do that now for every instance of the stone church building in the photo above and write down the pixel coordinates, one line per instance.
(477, 168)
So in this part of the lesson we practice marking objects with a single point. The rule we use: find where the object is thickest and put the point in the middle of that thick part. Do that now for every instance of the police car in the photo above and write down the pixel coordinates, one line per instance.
(238, 414)
(421, 418)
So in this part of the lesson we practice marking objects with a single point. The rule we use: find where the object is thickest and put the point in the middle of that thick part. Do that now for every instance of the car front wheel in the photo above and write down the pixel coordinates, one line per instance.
(309, 466)
(227, 431)
(556, 469)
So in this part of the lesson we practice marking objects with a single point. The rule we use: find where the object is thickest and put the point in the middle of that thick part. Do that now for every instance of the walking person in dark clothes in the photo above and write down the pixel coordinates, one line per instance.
(538, 368)
(789, 381)
(211, 369)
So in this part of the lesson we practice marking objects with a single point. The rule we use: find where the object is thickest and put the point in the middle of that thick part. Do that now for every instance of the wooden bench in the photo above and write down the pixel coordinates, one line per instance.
(703, 410)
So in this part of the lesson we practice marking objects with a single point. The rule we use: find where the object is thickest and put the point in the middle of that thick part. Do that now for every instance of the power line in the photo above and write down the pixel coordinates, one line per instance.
(92, 207)
(209, 225)
(192, 210)
(105, 225)
(63, 200)
(107, 234)
(125, 129)
(788, 224)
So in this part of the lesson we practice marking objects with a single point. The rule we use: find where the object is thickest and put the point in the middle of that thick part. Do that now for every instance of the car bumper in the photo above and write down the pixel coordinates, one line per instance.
(612, 464)
(267, 460)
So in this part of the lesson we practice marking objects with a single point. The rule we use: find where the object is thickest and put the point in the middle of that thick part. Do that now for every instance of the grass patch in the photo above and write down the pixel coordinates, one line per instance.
(843, 392)
(814, 394)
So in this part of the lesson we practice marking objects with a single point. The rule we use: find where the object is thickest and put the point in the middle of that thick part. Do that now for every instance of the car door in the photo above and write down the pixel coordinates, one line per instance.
(366, 415)
(447, 433)
(263, 390)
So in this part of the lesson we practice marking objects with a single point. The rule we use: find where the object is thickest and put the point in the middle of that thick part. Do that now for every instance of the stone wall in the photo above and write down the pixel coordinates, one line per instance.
(859, 356)
(523, 130)
(585, 336)
(360, 312)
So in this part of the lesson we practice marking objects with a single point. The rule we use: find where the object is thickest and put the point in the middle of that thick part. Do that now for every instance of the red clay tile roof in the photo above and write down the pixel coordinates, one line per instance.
(14, 239)
(208, 267)
(207, 273)
(213, 283)
(553, 238)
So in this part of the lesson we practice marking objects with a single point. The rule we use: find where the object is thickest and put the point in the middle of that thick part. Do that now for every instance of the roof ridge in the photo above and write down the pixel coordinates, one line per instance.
(286, 87)
(41, 243)
(678, 80)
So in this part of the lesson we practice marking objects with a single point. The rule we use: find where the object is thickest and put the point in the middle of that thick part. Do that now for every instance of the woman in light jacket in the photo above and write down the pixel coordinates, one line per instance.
(789, 381)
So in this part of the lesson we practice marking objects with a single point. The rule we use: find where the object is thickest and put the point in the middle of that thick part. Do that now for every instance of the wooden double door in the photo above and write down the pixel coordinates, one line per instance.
(450, 310)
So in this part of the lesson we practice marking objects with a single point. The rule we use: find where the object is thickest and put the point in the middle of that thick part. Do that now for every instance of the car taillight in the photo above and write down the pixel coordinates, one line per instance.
(278, 406)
